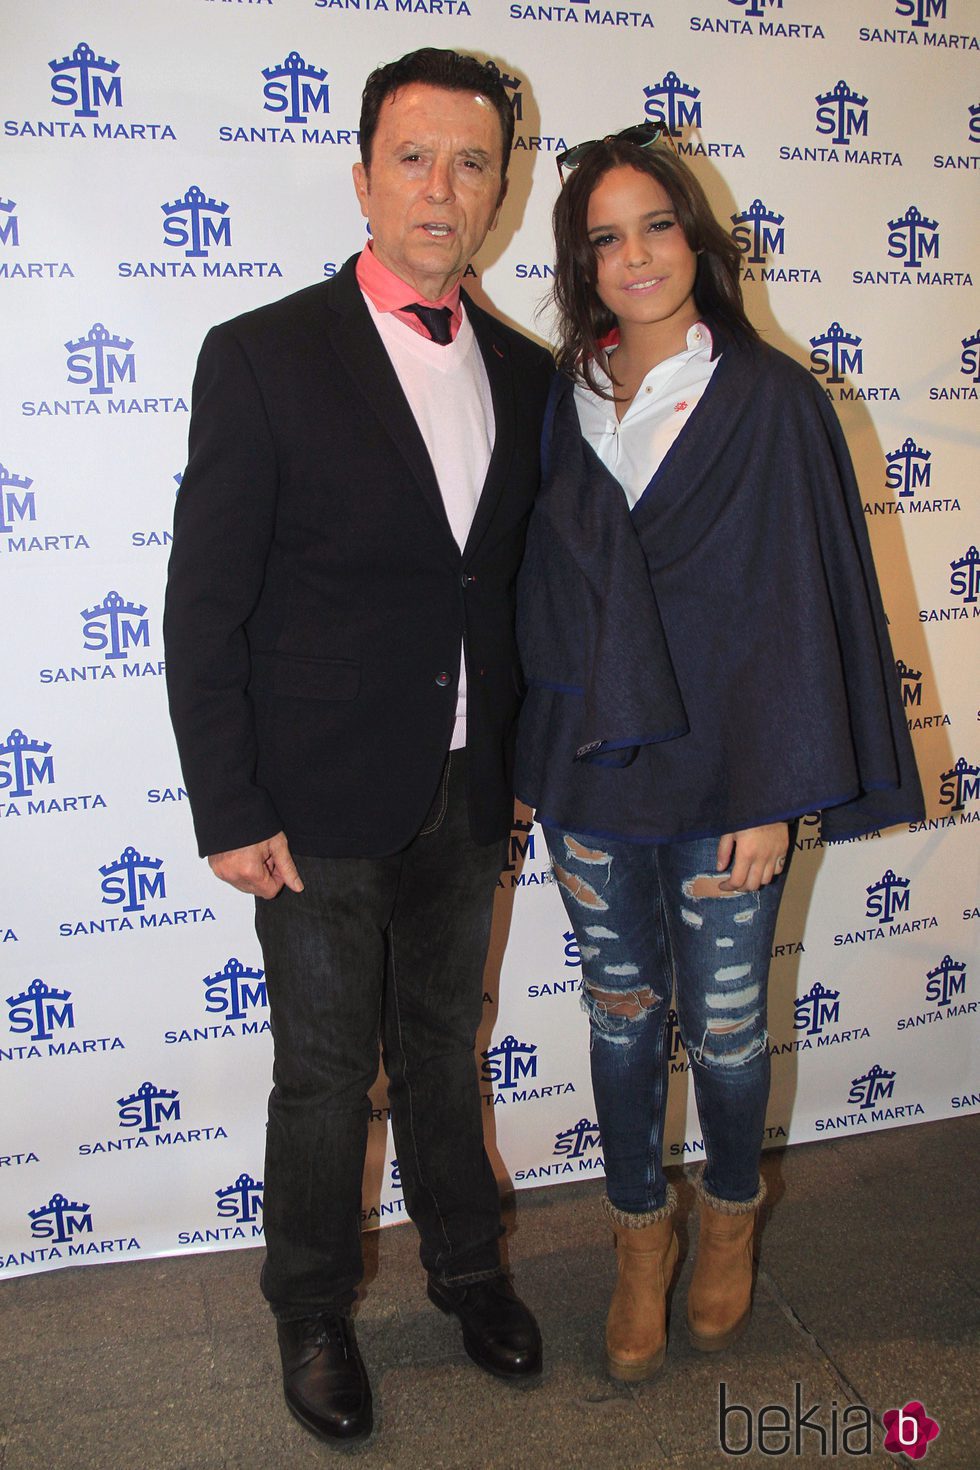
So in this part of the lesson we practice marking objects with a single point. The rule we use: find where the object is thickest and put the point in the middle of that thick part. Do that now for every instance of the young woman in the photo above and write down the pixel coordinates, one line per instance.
(707, 659)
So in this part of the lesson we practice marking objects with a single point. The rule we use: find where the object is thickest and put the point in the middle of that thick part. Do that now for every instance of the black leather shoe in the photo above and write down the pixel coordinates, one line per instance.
(324, 1380)
(499, 1333)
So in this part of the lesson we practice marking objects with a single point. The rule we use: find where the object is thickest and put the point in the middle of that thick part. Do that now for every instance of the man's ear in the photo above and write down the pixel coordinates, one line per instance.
(362, 186)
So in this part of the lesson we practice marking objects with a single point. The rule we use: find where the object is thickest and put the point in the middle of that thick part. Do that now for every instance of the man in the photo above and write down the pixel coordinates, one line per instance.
(344, 686)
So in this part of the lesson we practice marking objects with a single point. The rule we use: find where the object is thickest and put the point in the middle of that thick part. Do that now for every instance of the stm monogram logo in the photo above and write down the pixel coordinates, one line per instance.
(835, 353)
(820, 1007)
(908, 469)
(913, 238)
(132, 880)
(241, 1201)
(974, 126)
(920, 12)
(673, 104)
(947, 980)
(16, 500)
(519, 870)
(85, 82)
(842, 115)
(512, 85)
(970, 359)
(99, 359)
(758, 233)
(521, 846)
(143, 1117)
(964, 582)
(40, 1011)
(888, 905)
(888, 897)
(872, 1087)
(573, 954)
(24, 764)
(60, 1220)
(911, 681)
(756, 9)
(675, 1044)
(576, 1142)
(114, 626)
(195, 223)
(295, 88)
(234, 991)
(40, 1016)
(509, 1063)
(959, 785)
(148, 1108)
(8, 223)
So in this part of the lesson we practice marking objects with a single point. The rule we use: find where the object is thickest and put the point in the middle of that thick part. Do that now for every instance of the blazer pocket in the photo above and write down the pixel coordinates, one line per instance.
(309, 678)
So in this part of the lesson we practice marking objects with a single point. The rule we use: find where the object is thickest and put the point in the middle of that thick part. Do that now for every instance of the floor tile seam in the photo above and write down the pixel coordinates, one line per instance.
(815, 1347)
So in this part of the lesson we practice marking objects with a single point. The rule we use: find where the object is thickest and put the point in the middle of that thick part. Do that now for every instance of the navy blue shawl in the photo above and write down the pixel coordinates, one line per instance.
(717, 658)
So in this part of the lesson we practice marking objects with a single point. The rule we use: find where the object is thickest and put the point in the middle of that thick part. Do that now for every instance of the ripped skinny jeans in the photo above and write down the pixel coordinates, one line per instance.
(646, 925)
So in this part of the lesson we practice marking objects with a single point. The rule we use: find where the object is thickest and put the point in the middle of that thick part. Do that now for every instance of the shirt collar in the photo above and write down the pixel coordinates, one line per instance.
(388, 292)
(699, 339)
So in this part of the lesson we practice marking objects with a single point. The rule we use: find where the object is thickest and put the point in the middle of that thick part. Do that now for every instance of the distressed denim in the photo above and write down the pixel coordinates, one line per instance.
(645, 927)
(384, 950)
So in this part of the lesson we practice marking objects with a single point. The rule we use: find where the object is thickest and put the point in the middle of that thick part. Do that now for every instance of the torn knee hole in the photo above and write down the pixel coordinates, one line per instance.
(631, 1003)
(706, 885)
(724, 1028)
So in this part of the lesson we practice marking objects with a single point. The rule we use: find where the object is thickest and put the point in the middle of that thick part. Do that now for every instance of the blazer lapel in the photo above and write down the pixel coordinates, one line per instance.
(497, 361)
(357, 342)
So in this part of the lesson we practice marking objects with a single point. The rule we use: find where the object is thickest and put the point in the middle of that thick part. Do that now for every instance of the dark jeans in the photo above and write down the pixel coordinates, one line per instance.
(645, 927)
(388, 948)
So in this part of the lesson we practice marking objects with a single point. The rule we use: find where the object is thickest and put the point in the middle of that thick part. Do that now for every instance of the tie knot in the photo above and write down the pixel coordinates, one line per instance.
(435, 319)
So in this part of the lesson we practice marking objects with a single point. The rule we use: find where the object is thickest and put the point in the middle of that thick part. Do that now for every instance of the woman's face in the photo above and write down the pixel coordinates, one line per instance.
(645, 267)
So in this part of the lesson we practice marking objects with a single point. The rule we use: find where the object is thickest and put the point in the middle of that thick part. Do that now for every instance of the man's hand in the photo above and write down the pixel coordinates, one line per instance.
(760, 856)
(262, 869)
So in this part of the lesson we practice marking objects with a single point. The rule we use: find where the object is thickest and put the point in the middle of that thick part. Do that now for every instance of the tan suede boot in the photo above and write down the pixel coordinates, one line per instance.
(719, 1300)
(646, 1254)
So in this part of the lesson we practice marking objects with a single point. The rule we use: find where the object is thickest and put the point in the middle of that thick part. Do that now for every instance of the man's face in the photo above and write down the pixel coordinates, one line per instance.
(433, 190)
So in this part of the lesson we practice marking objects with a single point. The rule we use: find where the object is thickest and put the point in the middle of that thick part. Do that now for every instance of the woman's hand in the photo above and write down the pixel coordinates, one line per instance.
(760, 856)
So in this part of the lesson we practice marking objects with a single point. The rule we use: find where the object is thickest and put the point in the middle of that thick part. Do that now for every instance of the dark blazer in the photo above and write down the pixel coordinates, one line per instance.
(316, 597)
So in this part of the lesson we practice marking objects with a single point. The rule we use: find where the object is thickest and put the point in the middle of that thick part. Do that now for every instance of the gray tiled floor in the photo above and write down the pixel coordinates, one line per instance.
(868, 1293)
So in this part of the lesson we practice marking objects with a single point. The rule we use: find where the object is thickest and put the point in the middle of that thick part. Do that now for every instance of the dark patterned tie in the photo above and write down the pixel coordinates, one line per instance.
(435, 320)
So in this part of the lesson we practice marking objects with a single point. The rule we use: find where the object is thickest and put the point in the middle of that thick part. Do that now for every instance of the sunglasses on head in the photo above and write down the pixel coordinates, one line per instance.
(642, 135)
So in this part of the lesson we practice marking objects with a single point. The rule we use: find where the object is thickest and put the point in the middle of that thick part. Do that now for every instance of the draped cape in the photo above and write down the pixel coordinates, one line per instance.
(718, 657)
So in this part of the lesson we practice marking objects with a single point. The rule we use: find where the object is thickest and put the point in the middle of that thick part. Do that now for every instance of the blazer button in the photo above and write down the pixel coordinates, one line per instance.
(442, 679)
(467, 579)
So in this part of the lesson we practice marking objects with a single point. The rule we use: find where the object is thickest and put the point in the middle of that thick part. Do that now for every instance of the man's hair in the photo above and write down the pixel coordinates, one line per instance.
(582, 319)
(435, 68)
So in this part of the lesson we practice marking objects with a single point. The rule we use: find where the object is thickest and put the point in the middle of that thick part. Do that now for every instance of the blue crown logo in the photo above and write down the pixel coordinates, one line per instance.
(296, 88)
(24, 764)
(100, 359)
(195, 223)
(40, 1011)
(836, 352)
(132, 880)
(85, 82)
(674, 104)
(842, 114)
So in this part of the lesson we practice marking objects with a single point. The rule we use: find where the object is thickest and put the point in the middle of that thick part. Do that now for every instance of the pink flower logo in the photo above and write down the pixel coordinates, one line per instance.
(910, 1430)
(680, 407)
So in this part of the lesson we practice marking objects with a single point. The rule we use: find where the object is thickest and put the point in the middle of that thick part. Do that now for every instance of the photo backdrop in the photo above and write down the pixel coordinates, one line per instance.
(170, 164)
